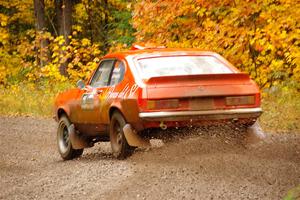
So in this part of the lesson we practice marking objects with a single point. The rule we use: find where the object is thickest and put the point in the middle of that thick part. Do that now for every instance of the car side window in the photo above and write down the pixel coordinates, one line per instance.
(102, 75)
(118, 73)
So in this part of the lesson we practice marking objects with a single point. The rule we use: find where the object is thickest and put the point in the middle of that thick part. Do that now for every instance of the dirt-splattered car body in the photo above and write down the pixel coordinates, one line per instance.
(145, 88)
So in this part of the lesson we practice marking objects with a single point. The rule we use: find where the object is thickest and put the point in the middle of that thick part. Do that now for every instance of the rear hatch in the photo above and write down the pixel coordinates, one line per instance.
(201, 92)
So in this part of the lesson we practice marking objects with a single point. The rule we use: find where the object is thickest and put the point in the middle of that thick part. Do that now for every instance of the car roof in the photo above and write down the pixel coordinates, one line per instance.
(160, 51)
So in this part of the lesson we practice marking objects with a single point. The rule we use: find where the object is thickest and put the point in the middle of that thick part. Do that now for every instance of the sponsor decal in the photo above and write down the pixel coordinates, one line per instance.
(92, 100)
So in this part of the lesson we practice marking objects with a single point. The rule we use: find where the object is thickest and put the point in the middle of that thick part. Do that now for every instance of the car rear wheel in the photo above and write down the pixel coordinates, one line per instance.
(119, 145)
(63, 140)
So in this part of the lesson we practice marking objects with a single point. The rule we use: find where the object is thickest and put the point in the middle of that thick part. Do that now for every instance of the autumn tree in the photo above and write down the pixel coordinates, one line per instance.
(106, 22)
(64, 36)
(260, 37)
(15, 50)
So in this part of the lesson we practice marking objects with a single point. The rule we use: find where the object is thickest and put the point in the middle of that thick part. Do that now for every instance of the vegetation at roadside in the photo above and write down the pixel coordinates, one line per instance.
(281, 108)
(30, 99)
(46, 46)
(293, 194)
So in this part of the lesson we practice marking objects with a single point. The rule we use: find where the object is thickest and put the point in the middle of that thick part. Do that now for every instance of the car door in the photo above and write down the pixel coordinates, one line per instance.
(111, 93)
(91, 97)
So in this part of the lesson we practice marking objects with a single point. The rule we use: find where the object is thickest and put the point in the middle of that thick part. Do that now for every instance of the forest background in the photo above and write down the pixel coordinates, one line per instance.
(48, 45)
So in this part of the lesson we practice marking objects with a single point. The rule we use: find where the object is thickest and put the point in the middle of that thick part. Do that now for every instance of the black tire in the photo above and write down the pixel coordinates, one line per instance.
(63, 141)
(120, 147)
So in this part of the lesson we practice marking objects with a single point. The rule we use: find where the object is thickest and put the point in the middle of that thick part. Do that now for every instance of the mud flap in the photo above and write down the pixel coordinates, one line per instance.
(133, 139)
(76, 141)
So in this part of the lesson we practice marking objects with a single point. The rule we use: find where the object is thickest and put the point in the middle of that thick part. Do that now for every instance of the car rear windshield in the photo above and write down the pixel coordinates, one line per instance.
(181, 65)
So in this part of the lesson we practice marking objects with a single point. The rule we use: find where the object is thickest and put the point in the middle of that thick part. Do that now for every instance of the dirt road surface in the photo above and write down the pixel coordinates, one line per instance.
(205, 165)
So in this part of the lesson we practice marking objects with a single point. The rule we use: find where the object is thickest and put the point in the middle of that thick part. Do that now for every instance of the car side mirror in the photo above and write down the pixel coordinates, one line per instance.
(80, 84)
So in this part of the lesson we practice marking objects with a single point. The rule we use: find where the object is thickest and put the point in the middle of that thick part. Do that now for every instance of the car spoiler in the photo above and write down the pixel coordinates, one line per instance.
(240, 77)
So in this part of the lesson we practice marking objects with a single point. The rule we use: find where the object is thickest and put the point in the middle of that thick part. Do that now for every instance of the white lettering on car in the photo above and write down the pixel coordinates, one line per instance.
(123, 93)
(108, 94)
(133, 90)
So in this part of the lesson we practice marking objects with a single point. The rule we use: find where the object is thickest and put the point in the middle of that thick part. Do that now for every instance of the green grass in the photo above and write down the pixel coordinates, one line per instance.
(293, 194)
(281, 107)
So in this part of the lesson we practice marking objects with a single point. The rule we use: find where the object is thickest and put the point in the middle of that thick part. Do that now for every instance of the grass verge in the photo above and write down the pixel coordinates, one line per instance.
(281, 111)
(293, 194)
(29, 99)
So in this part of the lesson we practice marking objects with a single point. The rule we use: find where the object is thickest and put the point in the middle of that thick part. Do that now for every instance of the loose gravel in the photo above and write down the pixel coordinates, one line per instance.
(209, 163)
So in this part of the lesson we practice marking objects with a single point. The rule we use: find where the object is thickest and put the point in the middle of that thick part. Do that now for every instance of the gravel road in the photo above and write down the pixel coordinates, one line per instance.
(209, 164)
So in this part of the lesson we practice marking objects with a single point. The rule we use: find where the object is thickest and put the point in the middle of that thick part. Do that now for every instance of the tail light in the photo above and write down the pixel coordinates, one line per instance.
(162, 104)
(240, 100)
(146, 104)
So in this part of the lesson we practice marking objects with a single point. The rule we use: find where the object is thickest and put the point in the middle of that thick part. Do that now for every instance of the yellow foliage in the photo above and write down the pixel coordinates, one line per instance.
(259, 37)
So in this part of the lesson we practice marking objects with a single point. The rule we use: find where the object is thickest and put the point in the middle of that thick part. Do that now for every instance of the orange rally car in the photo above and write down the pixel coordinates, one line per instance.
(152, 88)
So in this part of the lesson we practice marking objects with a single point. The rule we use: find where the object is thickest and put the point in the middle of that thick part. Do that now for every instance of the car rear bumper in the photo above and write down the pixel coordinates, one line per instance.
(242, 113)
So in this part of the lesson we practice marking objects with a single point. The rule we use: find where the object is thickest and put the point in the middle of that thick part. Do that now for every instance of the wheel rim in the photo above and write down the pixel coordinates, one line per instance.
(63, 138)
(117, 137)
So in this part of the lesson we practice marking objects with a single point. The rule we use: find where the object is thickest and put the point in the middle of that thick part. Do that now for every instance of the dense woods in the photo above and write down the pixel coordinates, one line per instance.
(59, 40)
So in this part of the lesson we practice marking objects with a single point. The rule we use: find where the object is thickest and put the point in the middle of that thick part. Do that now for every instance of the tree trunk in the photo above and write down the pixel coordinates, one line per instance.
(63, 9)
(39, 12)
(105, 27)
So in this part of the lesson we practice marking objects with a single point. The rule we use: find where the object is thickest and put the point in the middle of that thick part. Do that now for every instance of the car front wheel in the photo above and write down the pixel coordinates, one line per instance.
(63, 140)
(119, 145)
